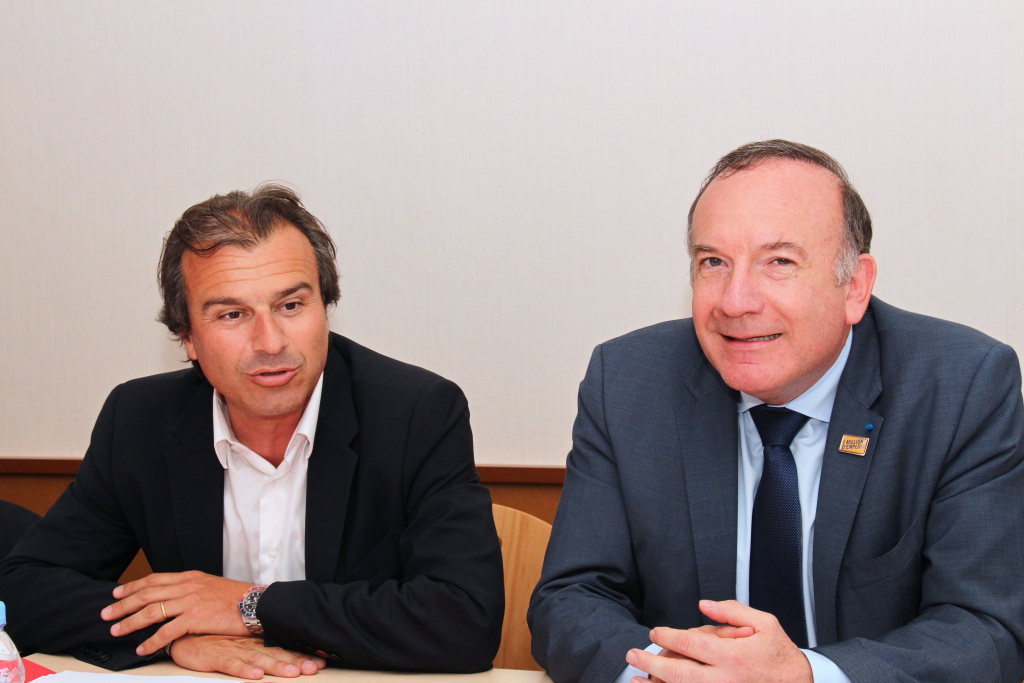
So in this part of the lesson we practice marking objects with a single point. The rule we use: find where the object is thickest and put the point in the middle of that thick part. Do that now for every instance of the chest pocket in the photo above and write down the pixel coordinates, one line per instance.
(880, 568)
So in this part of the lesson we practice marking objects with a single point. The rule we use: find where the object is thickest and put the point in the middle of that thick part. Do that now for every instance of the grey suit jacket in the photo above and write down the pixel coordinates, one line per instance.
(918, 553)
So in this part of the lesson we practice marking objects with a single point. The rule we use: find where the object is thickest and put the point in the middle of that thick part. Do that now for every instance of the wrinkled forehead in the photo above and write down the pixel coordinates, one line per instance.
(286, 254)
(776, 200)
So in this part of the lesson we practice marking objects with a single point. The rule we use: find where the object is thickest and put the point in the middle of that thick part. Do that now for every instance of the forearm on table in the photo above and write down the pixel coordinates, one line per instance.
(416, 625)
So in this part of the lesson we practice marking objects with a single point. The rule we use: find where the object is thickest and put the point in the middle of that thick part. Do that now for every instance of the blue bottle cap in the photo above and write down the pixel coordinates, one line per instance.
(3, 615)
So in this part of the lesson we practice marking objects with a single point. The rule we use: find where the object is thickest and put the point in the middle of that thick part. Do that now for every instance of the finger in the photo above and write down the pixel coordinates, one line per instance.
(736, 614)
(147, 616)
(273, 665)
(728, 631)
(304, 662)
(145, 596)
(163, 579)
(168, 633)
(233, 666)
(691, 643)
(666, 668)
(308, 665)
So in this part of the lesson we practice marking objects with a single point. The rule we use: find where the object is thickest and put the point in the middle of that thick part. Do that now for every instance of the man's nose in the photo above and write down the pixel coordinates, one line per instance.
(740, 295)
(268, 336)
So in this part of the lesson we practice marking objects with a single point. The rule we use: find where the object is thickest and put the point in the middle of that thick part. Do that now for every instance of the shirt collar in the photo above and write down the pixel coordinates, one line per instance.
(223, 433)
(817, 401)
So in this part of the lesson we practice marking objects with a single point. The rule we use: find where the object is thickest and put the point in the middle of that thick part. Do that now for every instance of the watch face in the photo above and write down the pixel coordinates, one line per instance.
(248, 604)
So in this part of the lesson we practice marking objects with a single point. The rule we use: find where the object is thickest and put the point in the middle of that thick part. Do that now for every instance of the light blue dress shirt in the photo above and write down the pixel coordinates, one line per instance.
(808, 451)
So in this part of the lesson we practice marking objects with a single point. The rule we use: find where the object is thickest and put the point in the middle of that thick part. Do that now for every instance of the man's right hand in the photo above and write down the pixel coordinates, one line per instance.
(246, 658)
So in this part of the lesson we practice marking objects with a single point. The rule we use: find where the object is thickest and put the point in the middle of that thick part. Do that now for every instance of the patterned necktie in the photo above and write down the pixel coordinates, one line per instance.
(776, 560)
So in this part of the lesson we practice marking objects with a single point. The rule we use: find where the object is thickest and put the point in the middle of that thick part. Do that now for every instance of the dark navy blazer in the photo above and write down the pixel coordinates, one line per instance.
(918, 553)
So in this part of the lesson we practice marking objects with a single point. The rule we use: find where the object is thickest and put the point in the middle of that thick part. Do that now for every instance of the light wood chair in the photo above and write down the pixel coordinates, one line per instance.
(523, 538)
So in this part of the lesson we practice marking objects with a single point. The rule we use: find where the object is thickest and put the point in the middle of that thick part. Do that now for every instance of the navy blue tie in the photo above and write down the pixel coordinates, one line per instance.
(776, 560)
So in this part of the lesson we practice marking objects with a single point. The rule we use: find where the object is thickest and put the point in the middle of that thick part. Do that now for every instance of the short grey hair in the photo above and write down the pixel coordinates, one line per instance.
(856, 219)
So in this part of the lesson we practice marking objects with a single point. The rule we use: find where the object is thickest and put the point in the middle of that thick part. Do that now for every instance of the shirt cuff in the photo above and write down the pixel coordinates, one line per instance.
(823, 669)
(631, 671)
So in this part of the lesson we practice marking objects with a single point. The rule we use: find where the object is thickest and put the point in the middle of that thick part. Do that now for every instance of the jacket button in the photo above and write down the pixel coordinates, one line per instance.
(321, 654)
(104, 657)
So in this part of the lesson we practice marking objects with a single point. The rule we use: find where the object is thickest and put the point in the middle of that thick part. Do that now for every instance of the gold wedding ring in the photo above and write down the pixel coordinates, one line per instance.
(162, 610)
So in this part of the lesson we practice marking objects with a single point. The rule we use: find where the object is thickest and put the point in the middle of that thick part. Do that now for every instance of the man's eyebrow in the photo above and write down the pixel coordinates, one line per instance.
(703, 248)
(783, 245)
(291, 290)
(222, 301)
(231, 301)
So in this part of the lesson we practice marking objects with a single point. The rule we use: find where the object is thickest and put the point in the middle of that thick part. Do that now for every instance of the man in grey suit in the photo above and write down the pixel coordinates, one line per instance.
(800, 483)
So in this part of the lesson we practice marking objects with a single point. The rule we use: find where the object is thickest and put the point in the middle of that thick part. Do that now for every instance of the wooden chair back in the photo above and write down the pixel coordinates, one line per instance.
(524, 538)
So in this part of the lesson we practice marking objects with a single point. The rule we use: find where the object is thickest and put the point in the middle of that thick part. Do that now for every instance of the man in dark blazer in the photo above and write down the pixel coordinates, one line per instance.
(399, 565)
(910, 562)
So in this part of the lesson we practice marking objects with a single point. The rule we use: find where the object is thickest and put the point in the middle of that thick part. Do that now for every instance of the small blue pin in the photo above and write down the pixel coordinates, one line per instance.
(869, 427)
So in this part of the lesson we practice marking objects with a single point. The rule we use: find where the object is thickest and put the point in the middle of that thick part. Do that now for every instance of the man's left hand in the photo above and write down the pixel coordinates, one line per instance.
(711, 654)
(192, 602)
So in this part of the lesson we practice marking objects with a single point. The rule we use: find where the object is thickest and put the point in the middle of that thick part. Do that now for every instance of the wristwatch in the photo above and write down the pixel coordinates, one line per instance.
(248, 609)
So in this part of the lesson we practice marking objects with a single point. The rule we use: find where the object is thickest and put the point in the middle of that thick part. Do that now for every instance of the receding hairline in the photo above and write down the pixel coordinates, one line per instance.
(762, 154)
(760, 164)
(836, 182)
(248, 239)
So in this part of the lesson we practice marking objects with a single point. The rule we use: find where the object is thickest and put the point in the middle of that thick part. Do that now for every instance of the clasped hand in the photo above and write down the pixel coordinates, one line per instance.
(189, 602)
(203, 622)
(749, 646)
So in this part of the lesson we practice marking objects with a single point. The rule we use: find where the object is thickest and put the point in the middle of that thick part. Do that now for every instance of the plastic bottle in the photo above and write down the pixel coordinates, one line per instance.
(11, 668)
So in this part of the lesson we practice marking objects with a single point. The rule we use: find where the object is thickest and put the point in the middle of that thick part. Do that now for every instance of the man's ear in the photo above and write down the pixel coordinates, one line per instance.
(858, 293)
(190, 348)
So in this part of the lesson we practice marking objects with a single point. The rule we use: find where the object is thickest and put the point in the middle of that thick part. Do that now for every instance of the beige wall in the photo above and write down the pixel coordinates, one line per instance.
(507, 181)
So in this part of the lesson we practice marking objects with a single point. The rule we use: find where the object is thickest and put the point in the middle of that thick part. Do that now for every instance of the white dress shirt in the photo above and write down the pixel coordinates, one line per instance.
(808, 451)
(265, 506)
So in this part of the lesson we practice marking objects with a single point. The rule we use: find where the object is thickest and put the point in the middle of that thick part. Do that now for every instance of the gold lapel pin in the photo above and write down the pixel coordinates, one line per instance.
(855, 445)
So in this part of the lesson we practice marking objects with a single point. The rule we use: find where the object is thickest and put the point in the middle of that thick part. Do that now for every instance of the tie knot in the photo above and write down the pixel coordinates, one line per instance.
(777, 426)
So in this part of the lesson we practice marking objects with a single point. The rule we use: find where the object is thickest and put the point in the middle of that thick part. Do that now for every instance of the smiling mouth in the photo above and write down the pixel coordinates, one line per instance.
(767, 337)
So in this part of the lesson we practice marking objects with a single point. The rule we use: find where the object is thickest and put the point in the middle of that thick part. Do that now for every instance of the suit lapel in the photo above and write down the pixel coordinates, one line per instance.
(332, 465)
(843, 474)
(709, 442)
(197, 486)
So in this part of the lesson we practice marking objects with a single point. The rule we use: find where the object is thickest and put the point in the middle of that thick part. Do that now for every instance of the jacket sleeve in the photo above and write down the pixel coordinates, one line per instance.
(63, 570)
(444, 613)
(971, 622)
(583, 614)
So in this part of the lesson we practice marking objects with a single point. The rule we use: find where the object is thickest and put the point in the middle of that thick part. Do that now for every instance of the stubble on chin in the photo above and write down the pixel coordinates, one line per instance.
(283, 401)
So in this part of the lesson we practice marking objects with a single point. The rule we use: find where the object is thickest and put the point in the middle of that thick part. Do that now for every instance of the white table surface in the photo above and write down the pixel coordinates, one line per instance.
(329, 675)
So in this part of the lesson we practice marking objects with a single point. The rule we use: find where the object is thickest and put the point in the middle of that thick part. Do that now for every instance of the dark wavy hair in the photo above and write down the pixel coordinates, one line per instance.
(242, 219)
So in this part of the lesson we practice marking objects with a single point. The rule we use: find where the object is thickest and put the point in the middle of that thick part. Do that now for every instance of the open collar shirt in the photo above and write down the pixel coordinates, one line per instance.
(265, 506)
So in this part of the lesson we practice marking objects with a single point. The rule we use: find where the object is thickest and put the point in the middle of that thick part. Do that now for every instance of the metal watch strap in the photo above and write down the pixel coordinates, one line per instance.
(248, 609)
